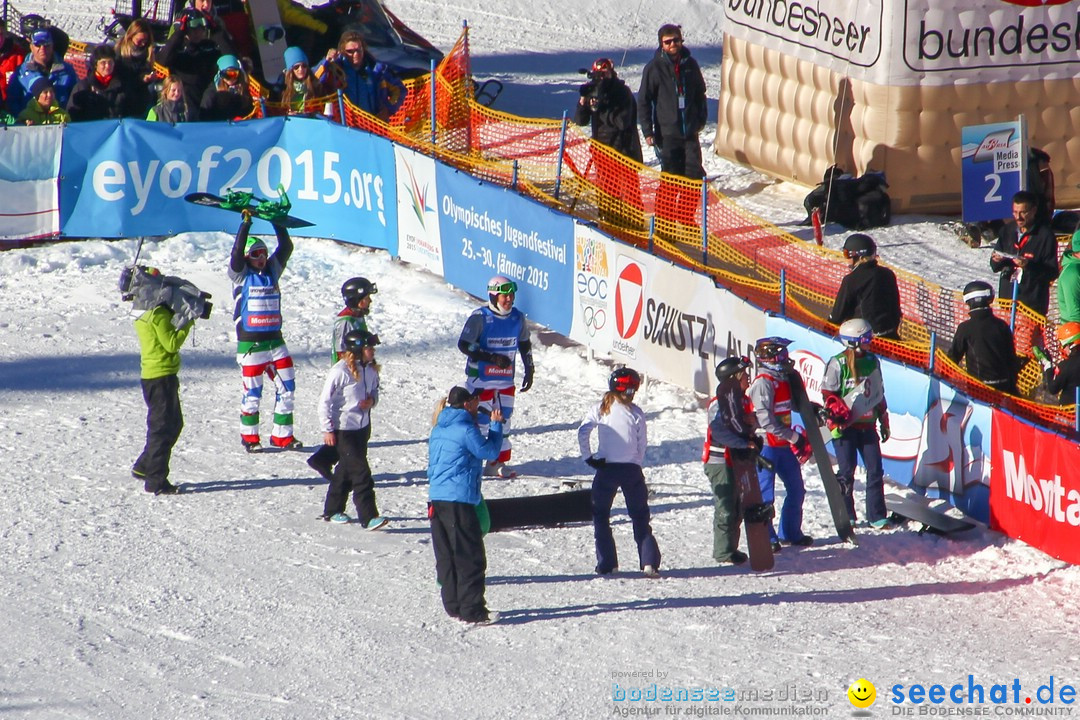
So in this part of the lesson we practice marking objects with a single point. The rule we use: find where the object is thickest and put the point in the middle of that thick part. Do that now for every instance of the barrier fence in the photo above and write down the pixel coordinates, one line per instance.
(682, 220)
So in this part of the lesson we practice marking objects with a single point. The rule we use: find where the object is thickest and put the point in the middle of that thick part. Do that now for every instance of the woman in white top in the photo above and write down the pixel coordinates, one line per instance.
(350, 391)
(621, 441)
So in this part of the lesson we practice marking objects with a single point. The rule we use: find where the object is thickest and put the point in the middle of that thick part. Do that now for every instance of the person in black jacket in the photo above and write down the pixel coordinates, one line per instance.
(671, 105)
(986, 341)
(1065, 378)
(229, 97)
(192, 51)
(1026, 251)
(101, 94)
(869, 291)
(607, 104)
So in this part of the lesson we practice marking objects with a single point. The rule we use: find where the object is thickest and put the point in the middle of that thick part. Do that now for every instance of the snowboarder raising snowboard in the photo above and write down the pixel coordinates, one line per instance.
(260, 347)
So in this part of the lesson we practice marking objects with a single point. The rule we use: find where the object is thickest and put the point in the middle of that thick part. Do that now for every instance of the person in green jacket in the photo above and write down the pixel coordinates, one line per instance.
(1068, 284)
(42, 108)
(159, 345)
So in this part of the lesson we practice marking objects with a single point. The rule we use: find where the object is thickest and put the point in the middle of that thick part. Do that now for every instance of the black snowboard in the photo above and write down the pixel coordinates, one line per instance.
(756, 514)
(916, 509)
(833, 491)
(540, 510)
(259, 208)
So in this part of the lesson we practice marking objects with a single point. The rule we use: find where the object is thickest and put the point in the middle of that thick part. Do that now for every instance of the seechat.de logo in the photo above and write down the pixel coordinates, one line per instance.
(629, 299)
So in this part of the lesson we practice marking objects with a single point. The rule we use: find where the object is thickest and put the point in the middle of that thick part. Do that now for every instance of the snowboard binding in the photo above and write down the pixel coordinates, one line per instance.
(271, 210)
(760, 513)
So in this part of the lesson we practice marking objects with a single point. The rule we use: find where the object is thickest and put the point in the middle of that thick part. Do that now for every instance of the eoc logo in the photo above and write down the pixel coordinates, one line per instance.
(629, 298)
(1036, 3)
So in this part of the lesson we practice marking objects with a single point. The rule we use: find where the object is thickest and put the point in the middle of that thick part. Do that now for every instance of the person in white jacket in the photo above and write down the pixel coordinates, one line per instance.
(350, 392)
(621, 441)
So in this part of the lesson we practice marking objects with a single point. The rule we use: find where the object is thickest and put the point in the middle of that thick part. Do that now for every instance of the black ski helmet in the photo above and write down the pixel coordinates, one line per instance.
(978, 294)
(858, 246)
(730, 366)
(624, 380)
(356, 340)
(356, 289)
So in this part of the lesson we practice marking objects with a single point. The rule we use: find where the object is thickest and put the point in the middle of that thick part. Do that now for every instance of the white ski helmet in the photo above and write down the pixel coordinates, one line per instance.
(855, 332)
(499, 285)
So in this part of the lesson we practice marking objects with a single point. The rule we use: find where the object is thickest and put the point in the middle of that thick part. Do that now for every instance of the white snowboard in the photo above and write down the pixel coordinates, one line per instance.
(266, 20)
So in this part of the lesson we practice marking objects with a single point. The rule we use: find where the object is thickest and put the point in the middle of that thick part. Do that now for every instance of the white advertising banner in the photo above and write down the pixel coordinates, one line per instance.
(29, 170)
(419, 239)
(656, 317)
(918, 42)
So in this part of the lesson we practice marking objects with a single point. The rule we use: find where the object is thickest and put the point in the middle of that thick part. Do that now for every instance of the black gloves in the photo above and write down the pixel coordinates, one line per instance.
(595, 463)
(500, 361)
(527, 379)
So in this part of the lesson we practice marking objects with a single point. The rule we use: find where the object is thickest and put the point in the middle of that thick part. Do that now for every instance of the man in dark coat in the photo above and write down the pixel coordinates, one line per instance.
(869, 291)
(192, 51)
(1026, 251)
(607, 104)
(986, 341)
(671, 105)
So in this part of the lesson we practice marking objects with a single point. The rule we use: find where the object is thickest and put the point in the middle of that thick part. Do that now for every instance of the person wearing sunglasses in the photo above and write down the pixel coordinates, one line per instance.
(229, 98)
(671, 105)
(260, 346)
(371, 86)
(492, 338)
(42, 62)
(299, 86)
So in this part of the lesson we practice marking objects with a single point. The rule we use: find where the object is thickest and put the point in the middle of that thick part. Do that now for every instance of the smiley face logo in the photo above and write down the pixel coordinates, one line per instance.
(862, 693)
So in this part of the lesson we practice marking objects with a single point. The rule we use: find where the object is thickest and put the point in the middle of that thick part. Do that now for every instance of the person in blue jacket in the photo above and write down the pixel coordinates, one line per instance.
(373, 87)
(456, 451)
(42, 62)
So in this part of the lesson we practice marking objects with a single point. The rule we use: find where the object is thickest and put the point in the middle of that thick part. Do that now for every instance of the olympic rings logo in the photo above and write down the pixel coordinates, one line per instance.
(595, 319)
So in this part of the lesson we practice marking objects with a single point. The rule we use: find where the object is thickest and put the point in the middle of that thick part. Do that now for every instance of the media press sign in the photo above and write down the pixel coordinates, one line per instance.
(993, 164)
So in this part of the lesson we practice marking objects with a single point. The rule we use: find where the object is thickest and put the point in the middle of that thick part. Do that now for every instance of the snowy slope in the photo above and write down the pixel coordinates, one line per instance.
(233, 601)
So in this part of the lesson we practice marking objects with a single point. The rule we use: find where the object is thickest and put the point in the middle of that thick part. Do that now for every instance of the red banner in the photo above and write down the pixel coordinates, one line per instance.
(1029, 498)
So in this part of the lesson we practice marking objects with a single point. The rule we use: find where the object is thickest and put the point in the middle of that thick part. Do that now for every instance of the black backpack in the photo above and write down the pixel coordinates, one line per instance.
(856, 203)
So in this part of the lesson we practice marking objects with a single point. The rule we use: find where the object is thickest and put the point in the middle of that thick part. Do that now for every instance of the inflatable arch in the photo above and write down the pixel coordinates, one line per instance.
(888, 84)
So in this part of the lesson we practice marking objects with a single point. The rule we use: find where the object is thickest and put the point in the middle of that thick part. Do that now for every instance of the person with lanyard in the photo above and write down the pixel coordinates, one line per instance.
(1026, 253)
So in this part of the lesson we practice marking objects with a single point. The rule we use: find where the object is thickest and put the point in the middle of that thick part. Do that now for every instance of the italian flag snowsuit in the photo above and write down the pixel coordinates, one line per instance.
(260, 347)
(504, 335)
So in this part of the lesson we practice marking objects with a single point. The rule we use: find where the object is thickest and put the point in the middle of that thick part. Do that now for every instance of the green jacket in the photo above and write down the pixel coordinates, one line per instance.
(35, 115)
(1068, 287)
(159, 342)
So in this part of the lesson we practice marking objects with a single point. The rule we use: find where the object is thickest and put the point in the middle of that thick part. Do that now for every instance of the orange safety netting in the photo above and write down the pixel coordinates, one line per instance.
(740, 251)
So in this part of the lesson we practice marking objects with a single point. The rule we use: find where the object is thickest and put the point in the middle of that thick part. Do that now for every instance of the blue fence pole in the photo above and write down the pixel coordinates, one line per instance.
(933, 355)
(652, 232)
(783, 292)
(514, 177)
(341, 106)
(433, 84)
(1012, 313)
(704, 222)
(562, 148)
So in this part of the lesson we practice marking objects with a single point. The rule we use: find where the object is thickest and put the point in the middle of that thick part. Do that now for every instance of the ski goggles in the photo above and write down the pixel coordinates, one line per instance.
(231, 73)
(259, 254)
(506, 288)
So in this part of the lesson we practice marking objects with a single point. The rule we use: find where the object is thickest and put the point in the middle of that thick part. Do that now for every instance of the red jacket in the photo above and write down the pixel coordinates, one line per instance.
(12, 54)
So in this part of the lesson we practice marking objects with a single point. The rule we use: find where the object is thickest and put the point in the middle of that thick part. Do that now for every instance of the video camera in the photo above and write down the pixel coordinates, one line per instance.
(591, 90)
(146, 288)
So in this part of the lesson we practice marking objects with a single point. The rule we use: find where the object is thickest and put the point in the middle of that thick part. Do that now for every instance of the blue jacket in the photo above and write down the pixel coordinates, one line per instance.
(375, 89)
(456, 451)
(61, 75)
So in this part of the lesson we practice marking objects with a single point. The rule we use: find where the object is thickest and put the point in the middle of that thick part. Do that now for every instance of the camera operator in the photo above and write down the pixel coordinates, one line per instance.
(162, 330)
(608, 104)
